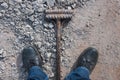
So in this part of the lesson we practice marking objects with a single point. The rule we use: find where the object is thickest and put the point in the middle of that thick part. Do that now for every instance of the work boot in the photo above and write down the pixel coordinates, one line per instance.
(30, 57)
(88, 58)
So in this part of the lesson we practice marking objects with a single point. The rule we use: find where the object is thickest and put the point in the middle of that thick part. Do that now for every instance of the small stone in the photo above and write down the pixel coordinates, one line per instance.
(63, 48)
(2, 67)
(45, 25)
(69, 8)
(31, 0)
(62, 0)
(45, 5)
(17, 12)
(38, 44)
(11, 2)
(49, 55)
(51, 25)
(46, 66)
(41, 22)
(39, 1)
(1, 51)
(32, 37)
(1, 14)
(43, 49)
(23, 5)
(45, 30)
(12, 23)
(53, 56)
(73, 6)
(29, 6)
(35, 23)
(29, 11)
(54, 50)
(18, 1)
(31, 18)
(4, 54)
(4, 5)
(64, 61)
(51, 3)
(13, 65)
(48, 44)
(2, 11)
(28, 26)
(51, 74)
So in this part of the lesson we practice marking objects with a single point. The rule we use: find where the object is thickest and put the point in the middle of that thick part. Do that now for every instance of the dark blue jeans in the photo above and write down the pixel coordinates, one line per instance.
(81, 73)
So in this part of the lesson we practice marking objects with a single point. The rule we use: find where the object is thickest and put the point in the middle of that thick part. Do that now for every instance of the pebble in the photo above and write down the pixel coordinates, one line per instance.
(53, 56)
(62, 0)
(73, 6)
(51, 3)
(40, 1)
(54, 50)
(38, 44)
(29, 11)
(48, 55)
(1, 51)
(2, 67)
(4, 54)
(18, 1)
(48, 44)
(23, 5)
(64, 61)
(47, 66)
(45, 25)
(13, 65)
(12, 23)
(36, 23)
(27, 26)
(17, 12)
(69, 8)
(31, 18)
(45, 5)
(4, 5)
(51, 25)
(1, 14)
(52, 74)
(41, 22)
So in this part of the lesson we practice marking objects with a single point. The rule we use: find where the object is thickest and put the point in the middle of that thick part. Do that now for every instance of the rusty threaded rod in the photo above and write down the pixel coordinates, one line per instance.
(58, 40)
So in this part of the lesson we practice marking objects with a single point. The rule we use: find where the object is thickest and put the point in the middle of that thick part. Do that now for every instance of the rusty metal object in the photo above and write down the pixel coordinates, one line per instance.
(59, 16)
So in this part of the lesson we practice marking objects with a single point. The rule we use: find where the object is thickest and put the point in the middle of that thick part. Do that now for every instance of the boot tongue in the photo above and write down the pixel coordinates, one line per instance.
(87, 63)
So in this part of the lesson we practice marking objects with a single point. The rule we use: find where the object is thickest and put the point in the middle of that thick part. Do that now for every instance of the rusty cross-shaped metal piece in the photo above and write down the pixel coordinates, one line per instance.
(58, 16)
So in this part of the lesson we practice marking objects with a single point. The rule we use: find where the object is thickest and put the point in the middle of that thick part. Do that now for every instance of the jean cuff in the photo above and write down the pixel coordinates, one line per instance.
(83, 72)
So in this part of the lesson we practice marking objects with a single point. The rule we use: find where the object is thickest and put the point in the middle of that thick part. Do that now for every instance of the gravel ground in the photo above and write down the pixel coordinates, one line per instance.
(95, 23)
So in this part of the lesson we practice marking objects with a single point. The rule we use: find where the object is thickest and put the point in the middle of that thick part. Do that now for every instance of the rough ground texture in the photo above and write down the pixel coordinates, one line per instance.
(95, 23)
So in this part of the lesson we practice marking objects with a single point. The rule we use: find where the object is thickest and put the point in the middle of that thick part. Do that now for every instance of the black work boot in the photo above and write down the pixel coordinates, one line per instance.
(88, 59)
(30, 57)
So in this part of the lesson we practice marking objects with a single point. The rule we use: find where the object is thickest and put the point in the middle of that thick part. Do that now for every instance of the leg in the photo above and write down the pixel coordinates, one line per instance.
(36, 73)
(81, 73)
(32, 63)
(84, 66)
